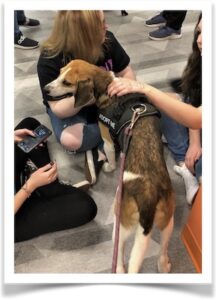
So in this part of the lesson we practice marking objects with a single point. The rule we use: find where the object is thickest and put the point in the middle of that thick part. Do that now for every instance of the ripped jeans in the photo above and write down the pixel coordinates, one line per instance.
(91, 133)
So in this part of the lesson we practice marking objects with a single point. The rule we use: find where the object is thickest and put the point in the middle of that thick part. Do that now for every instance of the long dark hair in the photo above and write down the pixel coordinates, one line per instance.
(192, 75)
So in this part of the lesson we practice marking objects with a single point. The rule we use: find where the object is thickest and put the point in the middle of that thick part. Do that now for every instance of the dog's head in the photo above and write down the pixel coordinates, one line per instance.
(75, 78)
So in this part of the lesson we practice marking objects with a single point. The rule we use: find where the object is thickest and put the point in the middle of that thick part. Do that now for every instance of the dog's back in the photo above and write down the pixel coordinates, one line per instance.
(146, 179)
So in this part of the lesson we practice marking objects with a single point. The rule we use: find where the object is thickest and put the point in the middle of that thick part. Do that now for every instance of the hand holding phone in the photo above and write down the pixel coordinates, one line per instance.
(41, 133)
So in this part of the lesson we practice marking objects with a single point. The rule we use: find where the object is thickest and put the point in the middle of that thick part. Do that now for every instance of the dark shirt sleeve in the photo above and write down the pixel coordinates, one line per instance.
(120, 58)
(48, 70)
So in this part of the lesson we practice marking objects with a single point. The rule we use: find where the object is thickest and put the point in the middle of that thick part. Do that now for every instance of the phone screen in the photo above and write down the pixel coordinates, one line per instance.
(30, 142)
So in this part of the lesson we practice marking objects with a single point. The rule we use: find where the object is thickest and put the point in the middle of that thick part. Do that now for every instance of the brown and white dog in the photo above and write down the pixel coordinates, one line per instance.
(148, 197)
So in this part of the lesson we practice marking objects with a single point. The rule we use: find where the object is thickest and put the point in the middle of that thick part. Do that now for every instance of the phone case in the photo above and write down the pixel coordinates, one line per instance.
(30, 142)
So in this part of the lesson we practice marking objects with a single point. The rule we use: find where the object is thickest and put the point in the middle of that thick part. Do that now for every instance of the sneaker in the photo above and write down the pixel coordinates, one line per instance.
(29, 23)
(165, 33)
(92, 165)
(124, 13)
(190, 181)
(23, 42)
(156, 21)
(82, 185)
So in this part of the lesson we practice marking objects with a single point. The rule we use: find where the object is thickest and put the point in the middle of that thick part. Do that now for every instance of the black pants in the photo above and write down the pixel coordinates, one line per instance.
(52, 207)
(174, 18)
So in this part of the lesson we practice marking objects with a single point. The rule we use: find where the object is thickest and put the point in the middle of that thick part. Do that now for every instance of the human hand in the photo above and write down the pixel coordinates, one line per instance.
(42, 176)
(20, 134)
(122, 86)
(192, 155)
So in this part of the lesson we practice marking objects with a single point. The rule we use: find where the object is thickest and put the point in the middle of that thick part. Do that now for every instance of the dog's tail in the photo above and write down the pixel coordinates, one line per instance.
(147, 210)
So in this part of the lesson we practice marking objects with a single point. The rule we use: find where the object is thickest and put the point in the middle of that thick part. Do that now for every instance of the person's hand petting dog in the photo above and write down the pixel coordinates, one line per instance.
(123, 86)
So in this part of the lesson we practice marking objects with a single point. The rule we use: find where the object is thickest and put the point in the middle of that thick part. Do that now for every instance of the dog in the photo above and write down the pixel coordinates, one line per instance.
(148, 198)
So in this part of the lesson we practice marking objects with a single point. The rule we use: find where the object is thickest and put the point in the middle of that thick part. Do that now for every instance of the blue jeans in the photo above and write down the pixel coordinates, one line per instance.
(19, 15)
(91, 133)
(177, 137)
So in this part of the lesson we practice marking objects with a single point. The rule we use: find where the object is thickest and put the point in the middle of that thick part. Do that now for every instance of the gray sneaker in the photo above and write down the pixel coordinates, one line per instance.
(165, 33)
(156, 21)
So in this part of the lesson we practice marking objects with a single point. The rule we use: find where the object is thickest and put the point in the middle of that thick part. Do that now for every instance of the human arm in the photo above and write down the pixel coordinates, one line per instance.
(120, 59)
(127, 73)
(42, 176)
(194, 150)
(181, 112)
(64, 108)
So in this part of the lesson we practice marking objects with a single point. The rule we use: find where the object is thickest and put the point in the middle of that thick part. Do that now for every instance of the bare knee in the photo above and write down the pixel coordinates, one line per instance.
(72, 136)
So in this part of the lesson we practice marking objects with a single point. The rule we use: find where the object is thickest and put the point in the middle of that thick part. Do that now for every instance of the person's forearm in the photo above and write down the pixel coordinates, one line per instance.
(194, 137)
(22, 195)
(127, 73)
(19, 199)
(64, 108)
(183, 113)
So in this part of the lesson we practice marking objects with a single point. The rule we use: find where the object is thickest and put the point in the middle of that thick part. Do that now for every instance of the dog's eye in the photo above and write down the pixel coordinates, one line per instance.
(66, 83)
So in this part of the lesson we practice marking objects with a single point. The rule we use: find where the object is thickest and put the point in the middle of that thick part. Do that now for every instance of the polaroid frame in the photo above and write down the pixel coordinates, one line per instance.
(9, 275)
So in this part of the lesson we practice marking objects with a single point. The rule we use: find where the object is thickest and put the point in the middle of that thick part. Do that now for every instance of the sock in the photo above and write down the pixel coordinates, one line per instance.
(190, 181)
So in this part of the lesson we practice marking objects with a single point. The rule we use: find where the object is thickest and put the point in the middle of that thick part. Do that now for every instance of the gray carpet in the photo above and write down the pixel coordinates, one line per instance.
(88, 249)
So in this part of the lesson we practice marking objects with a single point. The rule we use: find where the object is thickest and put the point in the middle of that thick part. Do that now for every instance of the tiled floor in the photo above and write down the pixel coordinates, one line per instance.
(88, 249)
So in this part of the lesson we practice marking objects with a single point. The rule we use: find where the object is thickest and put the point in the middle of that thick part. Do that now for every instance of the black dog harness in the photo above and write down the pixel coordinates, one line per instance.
(120, 113)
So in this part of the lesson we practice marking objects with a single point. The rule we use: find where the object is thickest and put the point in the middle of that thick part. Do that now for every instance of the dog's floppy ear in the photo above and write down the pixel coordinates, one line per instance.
(84, 93)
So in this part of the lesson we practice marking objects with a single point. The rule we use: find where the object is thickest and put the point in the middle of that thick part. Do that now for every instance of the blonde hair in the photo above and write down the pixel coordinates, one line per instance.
(76, 33)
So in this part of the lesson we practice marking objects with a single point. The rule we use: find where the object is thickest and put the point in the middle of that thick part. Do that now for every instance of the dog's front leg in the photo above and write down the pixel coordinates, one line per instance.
(110, 154)
(109, 149)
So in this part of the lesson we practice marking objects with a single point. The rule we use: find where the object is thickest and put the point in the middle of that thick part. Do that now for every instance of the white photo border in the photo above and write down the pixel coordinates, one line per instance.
(9, 275)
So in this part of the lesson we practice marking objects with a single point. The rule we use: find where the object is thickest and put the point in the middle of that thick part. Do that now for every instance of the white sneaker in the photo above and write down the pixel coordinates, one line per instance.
(191, 183)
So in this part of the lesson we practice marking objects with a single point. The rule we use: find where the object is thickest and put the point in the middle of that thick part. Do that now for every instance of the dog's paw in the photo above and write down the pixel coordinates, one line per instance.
(164, 265)
(107, 168)
(120, 270)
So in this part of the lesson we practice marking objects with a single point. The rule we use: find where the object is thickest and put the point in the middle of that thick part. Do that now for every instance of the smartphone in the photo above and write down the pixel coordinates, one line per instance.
(30, 142)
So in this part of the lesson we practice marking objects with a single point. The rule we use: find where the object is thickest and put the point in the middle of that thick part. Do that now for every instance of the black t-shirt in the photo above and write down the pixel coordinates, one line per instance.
(115, 59)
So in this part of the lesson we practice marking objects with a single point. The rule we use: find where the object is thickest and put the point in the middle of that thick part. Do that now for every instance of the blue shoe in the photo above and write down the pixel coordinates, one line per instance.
(156, 21)
(165, 33)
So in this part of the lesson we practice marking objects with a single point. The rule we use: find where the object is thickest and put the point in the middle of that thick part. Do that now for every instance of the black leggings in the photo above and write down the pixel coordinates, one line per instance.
(174, 18)
(52, 207)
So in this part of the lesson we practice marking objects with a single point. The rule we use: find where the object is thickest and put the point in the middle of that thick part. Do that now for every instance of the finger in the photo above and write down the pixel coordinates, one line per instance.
(53, 178)
(29, 132)
(52, 170)
(122, 92)
(46, 167)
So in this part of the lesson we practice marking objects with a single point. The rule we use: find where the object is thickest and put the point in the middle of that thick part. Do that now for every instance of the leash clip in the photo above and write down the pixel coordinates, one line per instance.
(135, 116)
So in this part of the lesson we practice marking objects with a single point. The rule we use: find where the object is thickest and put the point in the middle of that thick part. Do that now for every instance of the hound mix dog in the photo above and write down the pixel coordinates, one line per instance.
(147, 197)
